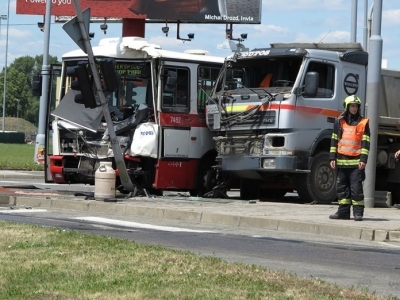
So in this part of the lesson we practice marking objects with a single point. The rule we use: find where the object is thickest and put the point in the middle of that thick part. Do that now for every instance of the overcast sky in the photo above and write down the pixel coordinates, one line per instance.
(281, 21)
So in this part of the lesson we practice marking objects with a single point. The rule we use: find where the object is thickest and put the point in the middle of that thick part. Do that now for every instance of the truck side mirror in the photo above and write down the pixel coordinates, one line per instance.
(311, 83)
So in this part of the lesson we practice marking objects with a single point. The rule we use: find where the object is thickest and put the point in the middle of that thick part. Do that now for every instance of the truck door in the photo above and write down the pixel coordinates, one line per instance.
(353, 82)
(315, 115)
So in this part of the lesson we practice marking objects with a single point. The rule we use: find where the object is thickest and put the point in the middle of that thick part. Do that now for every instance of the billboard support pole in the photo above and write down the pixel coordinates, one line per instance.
(372, 97)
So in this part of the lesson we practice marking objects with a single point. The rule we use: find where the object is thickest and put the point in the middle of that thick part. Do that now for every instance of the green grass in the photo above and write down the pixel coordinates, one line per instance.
(48, 263)
(18, 157)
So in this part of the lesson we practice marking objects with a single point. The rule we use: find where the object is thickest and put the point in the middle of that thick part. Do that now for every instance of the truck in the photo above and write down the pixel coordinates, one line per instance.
(272, 112)
(157, 111)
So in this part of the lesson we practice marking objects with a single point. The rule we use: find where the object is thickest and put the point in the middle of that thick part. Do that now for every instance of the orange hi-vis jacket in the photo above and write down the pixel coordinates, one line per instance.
(350, 142)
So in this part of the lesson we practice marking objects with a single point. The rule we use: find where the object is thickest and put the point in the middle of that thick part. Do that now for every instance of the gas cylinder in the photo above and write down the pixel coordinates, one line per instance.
(104, 181)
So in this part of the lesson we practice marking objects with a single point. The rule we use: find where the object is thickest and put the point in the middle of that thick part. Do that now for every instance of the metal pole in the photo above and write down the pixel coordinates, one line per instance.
(119, 159)
(18, 114)
(40, 137)
(353, 33)
(372, 97)
(369, 25)
(5, 70)
(365, 37)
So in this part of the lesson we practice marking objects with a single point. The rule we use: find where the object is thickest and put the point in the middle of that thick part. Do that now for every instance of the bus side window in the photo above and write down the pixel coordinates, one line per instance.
(176, 92)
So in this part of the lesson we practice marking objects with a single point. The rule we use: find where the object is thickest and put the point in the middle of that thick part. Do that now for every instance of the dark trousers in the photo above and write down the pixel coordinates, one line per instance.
(350, 189)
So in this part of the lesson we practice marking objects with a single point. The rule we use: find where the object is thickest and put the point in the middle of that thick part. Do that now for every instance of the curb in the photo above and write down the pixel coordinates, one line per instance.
(21, 176)
(128, 209)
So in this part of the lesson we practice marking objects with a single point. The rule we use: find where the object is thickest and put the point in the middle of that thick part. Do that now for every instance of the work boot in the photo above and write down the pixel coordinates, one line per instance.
(343, 212)
(358, 212)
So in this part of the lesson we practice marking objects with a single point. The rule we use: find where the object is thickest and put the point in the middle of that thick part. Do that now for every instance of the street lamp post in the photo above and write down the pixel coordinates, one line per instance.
(17, 114)
(17, 107)
(5, 17)
(2, 17)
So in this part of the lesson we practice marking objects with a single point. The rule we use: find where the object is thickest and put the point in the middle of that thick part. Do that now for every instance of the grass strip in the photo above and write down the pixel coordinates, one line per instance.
(48, 263)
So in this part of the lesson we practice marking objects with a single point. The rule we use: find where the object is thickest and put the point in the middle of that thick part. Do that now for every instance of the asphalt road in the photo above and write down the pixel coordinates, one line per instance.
(365, 265)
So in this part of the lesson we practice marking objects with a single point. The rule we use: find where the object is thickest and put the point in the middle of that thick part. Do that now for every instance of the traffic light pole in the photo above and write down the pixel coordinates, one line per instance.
(119, 160)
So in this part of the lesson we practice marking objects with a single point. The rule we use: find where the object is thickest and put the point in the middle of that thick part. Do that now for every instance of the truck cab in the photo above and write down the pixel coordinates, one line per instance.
(273, 111)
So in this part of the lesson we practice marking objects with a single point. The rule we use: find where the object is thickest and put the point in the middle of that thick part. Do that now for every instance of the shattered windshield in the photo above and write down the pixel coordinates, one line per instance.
(134, 87)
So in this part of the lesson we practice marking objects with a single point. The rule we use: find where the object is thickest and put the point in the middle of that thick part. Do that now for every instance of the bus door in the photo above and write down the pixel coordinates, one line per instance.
(176, 169)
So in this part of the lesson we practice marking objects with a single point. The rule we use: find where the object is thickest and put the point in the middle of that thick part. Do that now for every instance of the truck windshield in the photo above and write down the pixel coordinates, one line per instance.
(263, 72)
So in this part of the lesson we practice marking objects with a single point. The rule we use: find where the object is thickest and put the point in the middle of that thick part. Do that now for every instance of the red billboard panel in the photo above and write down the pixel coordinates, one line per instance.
(155, 11)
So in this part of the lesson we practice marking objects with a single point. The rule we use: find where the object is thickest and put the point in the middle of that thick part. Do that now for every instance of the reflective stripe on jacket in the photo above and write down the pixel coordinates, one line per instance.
(350, 142)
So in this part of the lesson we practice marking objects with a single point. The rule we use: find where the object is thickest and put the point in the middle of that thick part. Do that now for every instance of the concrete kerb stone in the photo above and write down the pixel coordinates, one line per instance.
(368, 234)
(5, 200)
(268, 224)
(343, 231)
(187, 216)
(31, 202)
(101, 207)
(298, 227)
(394, 236)
(381, 235)
(149, 212)
(227, 220)
(123, 208)
(21, 176)
(70, 204)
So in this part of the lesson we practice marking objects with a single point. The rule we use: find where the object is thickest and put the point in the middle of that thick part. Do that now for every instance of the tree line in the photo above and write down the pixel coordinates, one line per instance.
(19, 87)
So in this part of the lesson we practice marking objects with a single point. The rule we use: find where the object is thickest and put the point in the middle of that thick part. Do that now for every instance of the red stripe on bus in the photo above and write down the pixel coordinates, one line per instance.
(182, 120)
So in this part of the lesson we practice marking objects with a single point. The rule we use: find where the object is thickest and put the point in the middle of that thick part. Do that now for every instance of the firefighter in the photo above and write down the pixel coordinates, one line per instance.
(349, 154)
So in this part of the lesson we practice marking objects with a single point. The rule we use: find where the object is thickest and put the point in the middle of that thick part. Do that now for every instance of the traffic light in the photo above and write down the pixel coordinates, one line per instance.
(82, 82)
(110, 78)
(37, 85)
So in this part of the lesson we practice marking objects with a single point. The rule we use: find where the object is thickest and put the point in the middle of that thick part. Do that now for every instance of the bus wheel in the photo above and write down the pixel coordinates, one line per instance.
(320, 184)
(206, 178)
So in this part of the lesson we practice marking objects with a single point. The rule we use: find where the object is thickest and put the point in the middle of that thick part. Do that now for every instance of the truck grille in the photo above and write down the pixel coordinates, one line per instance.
(248, 145)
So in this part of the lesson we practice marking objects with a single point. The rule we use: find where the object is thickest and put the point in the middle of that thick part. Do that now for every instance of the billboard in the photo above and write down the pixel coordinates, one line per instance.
(155, 11)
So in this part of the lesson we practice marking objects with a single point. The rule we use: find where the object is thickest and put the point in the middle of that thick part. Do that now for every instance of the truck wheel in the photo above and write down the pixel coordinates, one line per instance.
(249, 189)
(320, 184)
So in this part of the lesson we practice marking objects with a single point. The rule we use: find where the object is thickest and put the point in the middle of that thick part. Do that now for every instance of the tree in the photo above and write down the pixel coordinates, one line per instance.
(19, 87)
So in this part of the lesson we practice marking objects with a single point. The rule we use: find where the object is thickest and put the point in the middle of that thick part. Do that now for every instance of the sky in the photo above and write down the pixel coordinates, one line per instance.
(281, 21)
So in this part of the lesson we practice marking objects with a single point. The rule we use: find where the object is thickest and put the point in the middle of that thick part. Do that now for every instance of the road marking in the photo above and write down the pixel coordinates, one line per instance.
(15, 211)
(139, 225)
